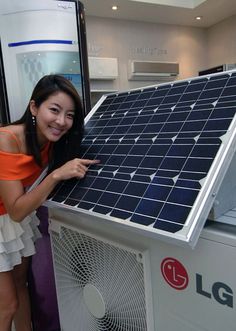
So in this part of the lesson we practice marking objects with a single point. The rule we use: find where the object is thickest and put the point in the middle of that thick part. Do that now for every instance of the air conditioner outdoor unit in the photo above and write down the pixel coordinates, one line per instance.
(102, 285)
(103, 68)
(150, 70)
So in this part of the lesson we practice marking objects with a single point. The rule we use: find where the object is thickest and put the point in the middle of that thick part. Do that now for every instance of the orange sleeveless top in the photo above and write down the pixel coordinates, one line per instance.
(17, 166)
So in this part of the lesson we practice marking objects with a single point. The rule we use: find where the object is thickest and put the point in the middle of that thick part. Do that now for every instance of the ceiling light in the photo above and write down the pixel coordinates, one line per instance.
(114, 7)
(198, 18)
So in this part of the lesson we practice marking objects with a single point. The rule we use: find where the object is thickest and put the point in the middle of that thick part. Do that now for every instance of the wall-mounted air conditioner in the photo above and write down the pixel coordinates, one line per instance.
(103, 68)
(219, 68)
(150, 70)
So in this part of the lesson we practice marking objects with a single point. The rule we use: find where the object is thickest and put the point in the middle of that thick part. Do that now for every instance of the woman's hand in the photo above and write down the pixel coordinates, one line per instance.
(74, 168)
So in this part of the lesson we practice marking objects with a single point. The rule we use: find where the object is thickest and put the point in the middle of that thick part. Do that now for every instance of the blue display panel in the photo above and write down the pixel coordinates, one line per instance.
(164, 151)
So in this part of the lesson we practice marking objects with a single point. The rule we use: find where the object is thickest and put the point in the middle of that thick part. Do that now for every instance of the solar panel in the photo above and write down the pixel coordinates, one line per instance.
(164, 151)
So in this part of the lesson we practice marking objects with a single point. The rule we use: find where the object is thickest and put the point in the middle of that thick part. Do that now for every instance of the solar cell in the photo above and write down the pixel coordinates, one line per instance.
(164, 150)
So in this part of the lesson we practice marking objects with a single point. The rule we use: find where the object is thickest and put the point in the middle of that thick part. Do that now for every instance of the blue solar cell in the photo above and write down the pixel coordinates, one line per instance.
(121, 214)
(133, 160)
(139, 150)
(108, 130)
(180, 150)
(193, 175)
(117, 186)
(212, 134)
(126, 170)
(85, 205)
(182, 196)
(229, 112)
(106, 174)
(173, 163)
(108, 149)
(196, 86)
(198, 165)
(216, 83)
(122, 176)
(71, 202)
(158, 192)
(174, 213)
(108, 199)
(140, 103)
(116, 159)
(172, 99)
(121, 129)
(232, 81)
(158, 149)
(167, 226)
(92, 196)
(188, 184)
(204, 151)
(229, 90)
(199, 115)
(217, 124)
(163, 181)
(87, 181)
(136, 188)
(127, 203)
(101, 183)
(123, 148)
(151, 162)
(149, 207)
(214, 93)
(228, 101)
(64, 190)
(171, 127)
(78, 194)
(166, 174)
(141, 178)
(152, 127)
(190, 96)
(102, 210)
(156, 146)
(141, 119)
(193, 126)
(178, 116)
(136, 128)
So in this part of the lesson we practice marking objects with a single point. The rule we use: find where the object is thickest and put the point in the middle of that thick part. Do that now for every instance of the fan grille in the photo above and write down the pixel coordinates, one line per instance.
(116, 273)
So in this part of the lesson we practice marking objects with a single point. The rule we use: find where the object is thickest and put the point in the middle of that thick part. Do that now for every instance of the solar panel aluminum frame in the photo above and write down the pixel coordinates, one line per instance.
(198, 215)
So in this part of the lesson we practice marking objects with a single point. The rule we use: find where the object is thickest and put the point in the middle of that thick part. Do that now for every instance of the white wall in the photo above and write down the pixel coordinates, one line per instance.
(193, 48)
(221, 42)
(127, 40)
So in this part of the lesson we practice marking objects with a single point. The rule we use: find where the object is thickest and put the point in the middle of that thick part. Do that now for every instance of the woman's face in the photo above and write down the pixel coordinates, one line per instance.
(54, 117)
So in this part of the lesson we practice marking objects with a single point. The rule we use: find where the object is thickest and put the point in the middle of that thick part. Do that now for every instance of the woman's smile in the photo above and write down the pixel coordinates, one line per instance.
(56, 131)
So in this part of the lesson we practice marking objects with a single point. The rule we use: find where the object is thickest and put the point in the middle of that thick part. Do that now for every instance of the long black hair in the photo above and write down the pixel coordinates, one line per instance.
(68, 146)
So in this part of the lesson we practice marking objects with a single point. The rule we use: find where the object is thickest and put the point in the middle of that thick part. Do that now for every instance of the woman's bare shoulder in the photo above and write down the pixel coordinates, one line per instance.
(11, 138)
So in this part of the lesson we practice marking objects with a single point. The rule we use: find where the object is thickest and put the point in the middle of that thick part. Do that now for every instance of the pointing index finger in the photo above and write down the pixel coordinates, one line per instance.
(89, 162)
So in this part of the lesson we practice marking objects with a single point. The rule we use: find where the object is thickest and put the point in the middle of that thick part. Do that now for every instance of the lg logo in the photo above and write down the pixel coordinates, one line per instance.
(176, 276)
(174, 273)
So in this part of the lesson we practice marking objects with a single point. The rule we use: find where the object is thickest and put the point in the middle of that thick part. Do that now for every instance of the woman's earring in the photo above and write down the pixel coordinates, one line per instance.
(33, 120)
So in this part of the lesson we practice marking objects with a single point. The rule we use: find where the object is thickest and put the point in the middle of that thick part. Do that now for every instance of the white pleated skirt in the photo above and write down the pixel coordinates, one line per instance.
(17, 240)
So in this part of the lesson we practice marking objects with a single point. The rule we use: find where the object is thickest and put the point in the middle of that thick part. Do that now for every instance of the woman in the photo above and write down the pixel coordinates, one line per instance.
(49, 133)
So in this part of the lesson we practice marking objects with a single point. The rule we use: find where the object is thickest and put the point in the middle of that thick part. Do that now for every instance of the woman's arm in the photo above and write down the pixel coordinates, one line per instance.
(19, 204)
